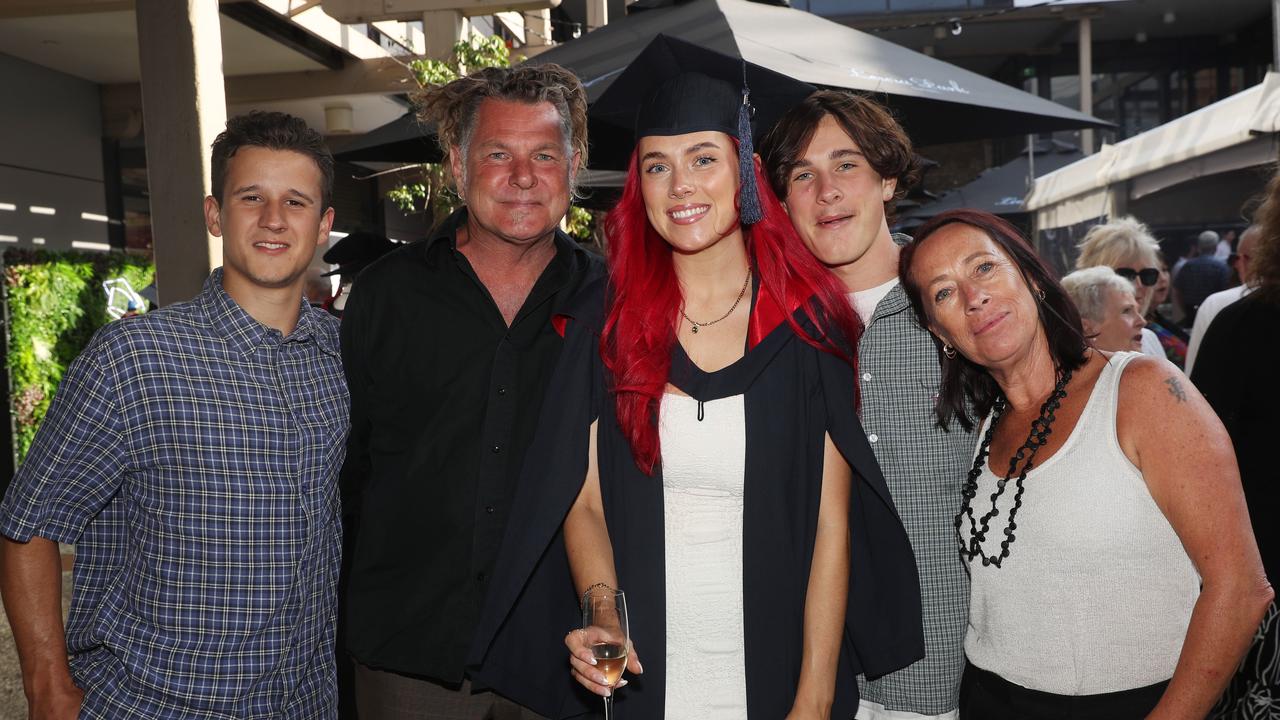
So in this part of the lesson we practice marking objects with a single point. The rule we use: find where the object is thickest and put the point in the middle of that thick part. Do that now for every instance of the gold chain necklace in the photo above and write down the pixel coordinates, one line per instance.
(695, 324)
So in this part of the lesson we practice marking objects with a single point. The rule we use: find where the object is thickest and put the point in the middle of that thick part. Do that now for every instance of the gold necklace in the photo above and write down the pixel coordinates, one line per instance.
(695, 324)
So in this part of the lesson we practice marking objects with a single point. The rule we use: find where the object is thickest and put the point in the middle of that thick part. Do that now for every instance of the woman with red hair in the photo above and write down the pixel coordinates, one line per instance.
(701, 451)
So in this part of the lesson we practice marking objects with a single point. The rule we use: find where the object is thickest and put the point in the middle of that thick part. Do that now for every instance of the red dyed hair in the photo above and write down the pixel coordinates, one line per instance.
(640, 329)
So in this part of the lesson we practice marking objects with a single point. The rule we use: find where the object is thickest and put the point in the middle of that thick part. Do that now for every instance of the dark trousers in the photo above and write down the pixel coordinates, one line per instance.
(384, 695)
(987, 696)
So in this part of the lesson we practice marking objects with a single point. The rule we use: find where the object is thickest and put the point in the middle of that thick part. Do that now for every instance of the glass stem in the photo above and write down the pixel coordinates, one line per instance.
(608, 707)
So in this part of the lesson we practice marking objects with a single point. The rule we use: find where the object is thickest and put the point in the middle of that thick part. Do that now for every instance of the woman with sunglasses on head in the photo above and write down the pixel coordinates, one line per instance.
(1126, 246)
(703, 452)
(1115, 575)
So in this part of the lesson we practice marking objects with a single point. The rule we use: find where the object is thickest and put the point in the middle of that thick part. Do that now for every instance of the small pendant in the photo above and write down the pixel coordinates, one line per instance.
(695, 329)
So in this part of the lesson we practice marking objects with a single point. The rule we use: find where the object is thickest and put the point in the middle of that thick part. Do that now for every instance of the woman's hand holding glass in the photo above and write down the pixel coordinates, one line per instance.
(601, 649)
(598, 675)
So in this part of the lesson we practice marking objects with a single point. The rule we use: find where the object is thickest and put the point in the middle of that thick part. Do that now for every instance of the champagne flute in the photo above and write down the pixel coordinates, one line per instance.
(604, 627)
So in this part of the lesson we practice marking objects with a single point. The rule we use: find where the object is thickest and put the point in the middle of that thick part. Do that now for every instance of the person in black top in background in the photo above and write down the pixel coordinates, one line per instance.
(448, 346)
(352, 254)
(1235, 368)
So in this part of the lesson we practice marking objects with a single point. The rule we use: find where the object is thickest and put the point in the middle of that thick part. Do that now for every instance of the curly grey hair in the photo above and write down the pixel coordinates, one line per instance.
(453, 106)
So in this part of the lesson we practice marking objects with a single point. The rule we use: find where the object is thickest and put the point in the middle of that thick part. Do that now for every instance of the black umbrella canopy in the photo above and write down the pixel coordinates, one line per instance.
(1001, 190)
(405, 140)
(935, 101)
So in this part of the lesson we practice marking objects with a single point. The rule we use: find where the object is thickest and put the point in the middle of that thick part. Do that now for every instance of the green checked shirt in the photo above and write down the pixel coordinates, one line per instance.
(898, 377)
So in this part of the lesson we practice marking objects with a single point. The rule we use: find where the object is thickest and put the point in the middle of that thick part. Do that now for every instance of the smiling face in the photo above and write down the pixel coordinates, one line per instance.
(1120, 327)
(836, 200)
(515, 174)
(975, 297)
(270, 219)
(690, 187)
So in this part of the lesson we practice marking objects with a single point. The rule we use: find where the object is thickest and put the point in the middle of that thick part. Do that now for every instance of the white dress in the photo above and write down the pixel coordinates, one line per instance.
(703, 466)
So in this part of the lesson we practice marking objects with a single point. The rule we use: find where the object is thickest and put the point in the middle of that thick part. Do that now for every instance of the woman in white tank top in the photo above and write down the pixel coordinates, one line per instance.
(1114, 570)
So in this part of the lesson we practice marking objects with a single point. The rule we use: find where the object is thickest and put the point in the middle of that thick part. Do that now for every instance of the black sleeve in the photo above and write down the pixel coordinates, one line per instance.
(355, 469)
(883, 618)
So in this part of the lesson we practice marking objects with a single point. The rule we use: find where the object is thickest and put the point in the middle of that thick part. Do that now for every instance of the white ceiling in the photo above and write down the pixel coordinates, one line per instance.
(367, 111)
(103, 47)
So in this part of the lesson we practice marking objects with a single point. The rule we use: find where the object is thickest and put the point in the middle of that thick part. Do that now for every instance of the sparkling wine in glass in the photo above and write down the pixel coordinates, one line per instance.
(604, 625)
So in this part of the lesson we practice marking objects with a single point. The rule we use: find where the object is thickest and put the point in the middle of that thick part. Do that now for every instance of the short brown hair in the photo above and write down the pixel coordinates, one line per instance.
(273, 131)
(453, 106)
(879, 136)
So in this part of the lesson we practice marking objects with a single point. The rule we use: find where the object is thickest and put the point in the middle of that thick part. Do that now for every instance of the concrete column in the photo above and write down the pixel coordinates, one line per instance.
(183, 109)
(1031, 161)
(442, 30)
(537, 27)
(1086, 81)
(597, 14)
(1275, 34)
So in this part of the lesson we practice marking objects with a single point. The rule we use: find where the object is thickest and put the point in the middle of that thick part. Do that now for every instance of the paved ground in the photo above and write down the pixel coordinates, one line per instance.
(13, 704)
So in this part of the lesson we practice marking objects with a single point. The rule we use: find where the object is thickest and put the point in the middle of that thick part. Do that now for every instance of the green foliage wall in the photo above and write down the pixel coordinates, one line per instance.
(56, 302)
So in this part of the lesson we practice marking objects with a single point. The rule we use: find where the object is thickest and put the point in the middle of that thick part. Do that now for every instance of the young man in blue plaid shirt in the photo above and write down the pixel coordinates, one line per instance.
(839, 161)
(192, 456)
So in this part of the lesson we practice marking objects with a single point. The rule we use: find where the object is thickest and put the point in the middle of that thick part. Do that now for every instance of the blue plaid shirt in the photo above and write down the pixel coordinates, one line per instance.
(192, 456)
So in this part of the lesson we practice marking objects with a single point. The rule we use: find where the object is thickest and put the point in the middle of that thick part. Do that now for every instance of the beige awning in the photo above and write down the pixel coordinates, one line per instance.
(1233, 133)
(1080, 177)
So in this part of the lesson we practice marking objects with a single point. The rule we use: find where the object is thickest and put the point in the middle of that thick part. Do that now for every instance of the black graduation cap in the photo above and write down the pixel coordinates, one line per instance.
(674, 87)
(352, 253)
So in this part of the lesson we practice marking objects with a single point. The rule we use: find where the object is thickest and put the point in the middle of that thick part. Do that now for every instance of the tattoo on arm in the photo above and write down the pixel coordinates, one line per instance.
(1175, 389)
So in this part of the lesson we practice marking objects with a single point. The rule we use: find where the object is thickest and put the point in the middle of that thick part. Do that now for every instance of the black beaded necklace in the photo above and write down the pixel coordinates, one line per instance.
(1041, 427)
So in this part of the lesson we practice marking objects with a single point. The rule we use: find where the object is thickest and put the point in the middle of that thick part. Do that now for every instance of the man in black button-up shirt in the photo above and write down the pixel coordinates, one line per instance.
(448, 347)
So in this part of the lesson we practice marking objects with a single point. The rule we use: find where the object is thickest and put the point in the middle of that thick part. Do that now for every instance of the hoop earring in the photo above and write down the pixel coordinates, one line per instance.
(1041, 294)
(949, 351)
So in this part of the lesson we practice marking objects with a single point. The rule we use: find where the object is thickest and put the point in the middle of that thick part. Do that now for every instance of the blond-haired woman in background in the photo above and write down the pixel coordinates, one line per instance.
(1126, 246)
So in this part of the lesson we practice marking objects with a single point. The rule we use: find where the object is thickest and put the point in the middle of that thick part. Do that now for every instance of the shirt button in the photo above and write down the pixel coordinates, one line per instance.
(866, 377)
(489, 509)
(873, 437)
(496, 449)
(502, 391)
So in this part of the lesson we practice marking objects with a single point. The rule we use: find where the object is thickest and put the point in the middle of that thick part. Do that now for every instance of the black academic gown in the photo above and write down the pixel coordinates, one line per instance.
(794, 395)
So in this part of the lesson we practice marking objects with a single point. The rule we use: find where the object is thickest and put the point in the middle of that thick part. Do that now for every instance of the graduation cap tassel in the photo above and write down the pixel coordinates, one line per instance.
(749, 211)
